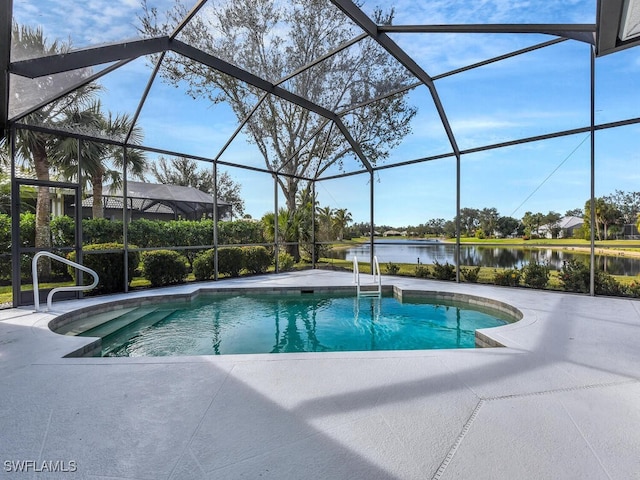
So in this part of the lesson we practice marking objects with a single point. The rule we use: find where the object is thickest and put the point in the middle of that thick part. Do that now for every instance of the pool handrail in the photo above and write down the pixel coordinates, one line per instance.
(74, 288)
(375, 271)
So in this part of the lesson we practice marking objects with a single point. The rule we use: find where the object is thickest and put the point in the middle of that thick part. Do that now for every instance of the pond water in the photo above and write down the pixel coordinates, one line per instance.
(426, 251)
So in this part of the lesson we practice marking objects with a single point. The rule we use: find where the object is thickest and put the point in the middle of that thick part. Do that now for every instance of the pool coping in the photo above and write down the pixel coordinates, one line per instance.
(93, 347)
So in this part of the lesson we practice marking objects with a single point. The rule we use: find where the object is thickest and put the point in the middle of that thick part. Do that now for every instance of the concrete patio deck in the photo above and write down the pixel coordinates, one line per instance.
(561, 401)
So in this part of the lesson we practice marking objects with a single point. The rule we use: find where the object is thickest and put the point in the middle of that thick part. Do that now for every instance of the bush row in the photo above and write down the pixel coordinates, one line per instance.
(574, 277)
(231, 261)
(166, 267)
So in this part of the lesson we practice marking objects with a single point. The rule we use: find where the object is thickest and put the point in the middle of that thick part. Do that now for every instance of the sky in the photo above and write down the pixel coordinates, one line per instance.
(532, 94)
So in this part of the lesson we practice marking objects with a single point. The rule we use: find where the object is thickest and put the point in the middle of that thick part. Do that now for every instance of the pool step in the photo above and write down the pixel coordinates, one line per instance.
(80, 326)
(119, 322)
(123, 334)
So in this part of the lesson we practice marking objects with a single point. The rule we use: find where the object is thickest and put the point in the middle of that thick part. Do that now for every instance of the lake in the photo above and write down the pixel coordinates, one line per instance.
(426, 251)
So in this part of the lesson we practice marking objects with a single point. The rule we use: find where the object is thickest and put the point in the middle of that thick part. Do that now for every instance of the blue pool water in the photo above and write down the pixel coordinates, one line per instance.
(232, 324)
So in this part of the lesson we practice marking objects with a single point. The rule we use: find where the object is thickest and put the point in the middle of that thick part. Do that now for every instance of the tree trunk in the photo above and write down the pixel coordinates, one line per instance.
(96, 207)
(43, 211)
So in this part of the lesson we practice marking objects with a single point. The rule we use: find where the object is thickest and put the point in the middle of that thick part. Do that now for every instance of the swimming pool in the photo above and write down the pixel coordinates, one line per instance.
(221, 323)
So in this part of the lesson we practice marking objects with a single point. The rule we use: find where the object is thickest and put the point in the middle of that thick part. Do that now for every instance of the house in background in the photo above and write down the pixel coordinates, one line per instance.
(563, 228)
(155, 202)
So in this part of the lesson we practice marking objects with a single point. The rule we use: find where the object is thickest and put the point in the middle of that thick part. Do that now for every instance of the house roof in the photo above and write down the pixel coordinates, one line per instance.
(570, 222)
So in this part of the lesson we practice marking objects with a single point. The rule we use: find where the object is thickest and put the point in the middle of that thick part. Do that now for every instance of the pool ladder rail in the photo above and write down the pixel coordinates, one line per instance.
(367, 291)
(75, 288)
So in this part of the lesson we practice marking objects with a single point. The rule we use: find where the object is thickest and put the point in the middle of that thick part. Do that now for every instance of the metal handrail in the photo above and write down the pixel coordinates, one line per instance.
(375, 270)
(74, 288)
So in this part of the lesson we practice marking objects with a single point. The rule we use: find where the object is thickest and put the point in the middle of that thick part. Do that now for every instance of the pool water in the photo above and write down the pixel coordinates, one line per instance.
(234, 324)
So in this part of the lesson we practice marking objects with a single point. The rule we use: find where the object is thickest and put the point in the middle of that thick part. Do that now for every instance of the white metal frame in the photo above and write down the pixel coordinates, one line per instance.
(74, 288)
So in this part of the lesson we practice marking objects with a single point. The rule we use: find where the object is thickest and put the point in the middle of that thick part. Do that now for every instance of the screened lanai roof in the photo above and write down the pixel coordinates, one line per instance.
(187, 202)
(398, 58)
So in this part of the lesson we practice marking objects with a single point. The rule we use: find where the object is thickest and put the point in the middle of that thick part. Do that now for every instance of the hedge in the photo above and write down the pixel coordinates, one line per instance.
(108, 266)
(164, 267)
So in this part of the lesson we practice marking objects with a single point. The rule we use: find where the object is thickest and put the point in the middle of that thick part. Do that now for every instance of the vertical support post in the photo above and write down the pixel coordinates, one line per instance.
(78, 220)
(592, 273)
(276, 247)
(125, 223)
(15, 221)
(457, 253)
(371, 209)
(313, 224)
(215, 220)
(6, 20)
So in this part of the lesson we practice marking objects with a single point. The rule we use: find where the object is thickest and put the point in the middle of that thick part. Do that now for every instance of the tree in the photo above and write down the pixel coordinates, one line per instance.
(184, 171)
(340, 220)
(488, 220)
(606, 214)
(325, 217)
(273, 42)
(469, 221)
(508, 226)
(101, 161)
(627, 204)
(576, 212)
(552, 221)
(532, 223)
(27, 42)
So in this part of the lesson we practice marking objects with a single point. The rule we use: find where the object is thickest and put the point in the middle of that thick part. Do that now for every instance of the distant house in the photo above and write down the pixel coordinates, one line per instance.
(565, 227)
(156, 202)
(394, 233)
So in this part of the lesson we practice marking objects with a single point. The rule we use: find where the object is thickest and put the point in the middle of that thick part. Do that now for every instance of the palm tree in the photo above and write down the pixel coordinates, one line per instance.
(40, 147)
(340, 220)
(98, 158)
(325, 218)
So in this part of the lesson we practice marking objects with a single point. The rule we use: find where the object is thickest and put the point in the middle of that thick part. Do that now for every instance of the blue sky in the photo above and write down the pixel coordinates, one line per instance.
(532, 94)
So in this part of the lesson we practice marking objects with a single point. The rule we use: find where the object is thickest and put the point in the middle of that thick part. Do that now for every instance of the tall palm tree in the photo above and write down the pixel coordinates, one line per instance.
(29, 42)
(341, 218)
(102, 162)
(325, 219)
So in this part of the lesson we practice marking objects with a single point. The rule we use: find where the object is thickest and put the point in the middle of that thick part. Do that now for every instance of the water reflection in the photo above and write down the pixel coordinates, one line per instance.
(401, 251)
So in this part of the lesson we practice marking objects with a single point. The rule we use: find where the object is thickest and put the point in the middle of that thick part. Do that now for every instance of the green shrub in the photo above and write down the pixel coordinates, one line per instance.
(575, 276)
(285, 261)
(109, 266)
(204, 266)
(633, 289)
(63, 231)
(392, 268)
(5, 233)
(470, 274)
(256, 259)
(147, 233)
(422, 271)
(101, 231)
(444, 272)
(28, 229)
(164, 267)
(509, 277)
(536, 275)
(230, 261)
(605, 284)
